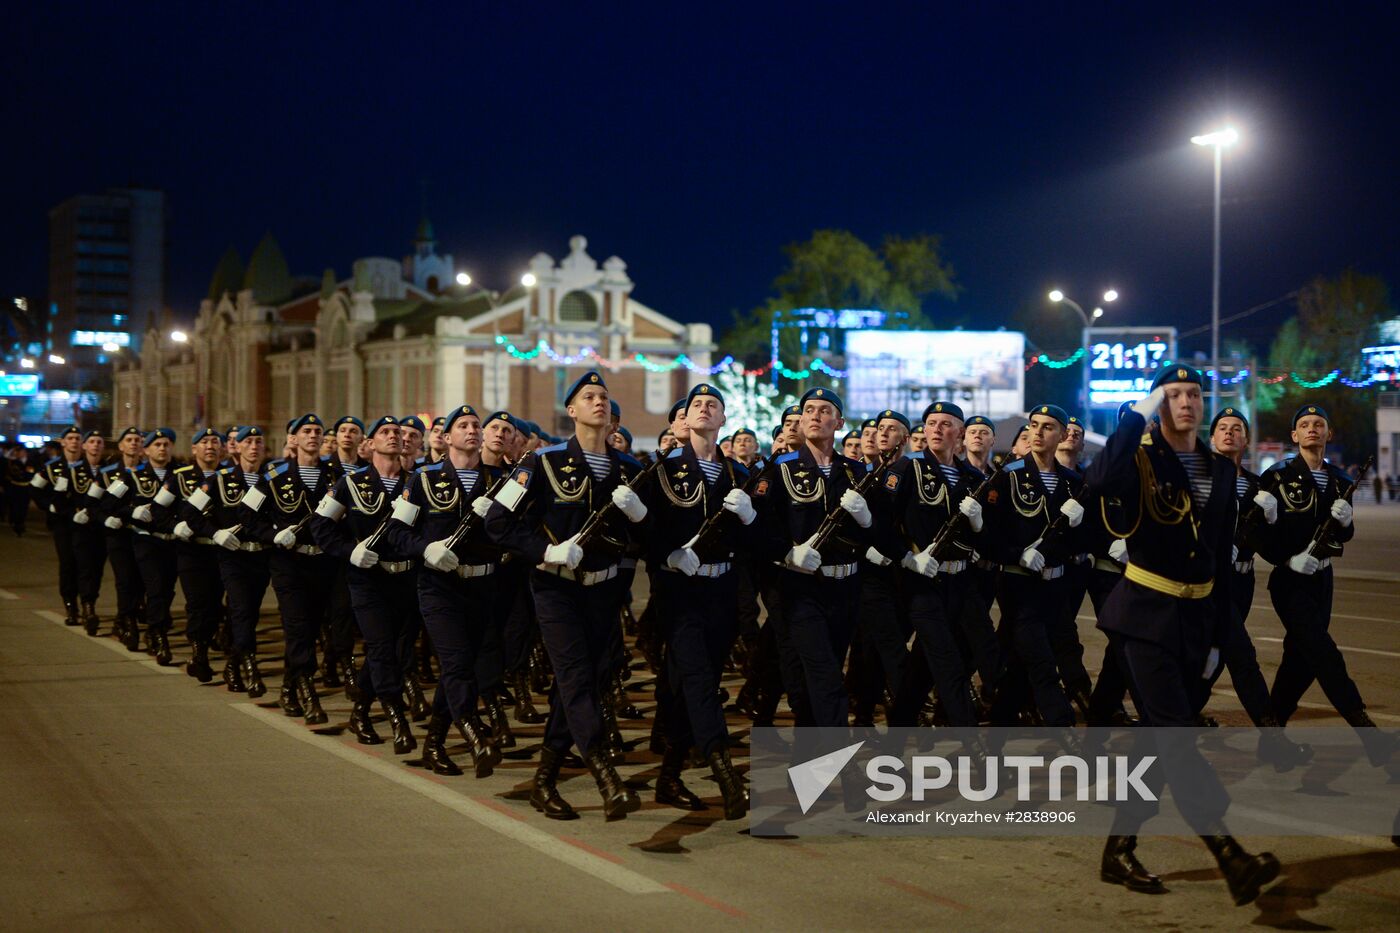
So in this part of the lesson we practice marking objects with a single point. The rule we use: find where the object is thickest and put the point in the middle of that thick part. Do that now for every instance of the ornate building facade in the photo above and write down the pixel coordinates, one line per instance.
(400, 337)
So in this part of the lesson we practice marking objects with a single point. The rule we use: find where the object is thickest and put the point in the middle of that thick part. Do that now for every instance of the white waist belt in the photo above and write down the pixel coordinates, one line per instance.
(395, 566)
(1244, 566)
(467, 571)
(707, 570)
(952, 566)
(581, 577)
(838, 571)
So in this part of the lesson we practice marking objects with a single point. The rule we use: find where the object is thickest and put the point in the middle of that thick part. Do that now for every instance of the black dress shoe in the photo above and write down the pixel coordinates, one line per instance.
(485, 755)
(1245, 874)
(198, 666)
(362, 726)
(670, 789)
(310, 702)
(618, 799)
(544, 792)
(287, 699)
(404, 742)
(163, 655)
(1120, 865)
(1277, 749)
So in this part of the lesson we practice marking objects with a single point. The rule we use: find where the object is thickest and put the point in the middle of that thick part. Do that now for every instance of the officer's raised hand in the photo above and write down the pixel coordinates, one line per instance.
(854, 503)
(363, 557)
(1147, 407)
(226, 538)
(1303, 563)
(630, 503)
(804, 557)
(738, 502)
(286, 538)
(1072, 511)
(1032, 560)
(567, 553)
(1269, 504)
(972, 509)
(439, 556)
(684, 560)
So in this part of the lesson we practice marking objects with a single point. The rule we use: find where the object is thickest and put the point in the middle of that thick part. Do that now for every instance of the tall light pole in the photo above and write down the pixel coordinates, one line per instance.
(1059, 297)
(1220, 139)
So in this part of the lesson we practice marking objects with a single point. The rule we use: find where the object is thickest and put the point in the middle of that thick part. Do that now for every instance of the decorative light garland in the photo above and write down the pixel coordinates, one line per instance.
(1073, 358)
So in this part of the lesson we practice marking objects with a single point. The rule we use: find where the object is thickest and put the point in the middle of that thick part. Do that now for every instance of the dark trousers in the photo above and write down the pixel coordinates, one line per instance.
(63, 545)
(882, 631)
(340, 617)
(934, 606)
(155, 560)
(299, 580)
(386, 610)
(90, 558)
(1029, 605)
(17, 502)
(819, 616)
(125, 572)
(1111, 687)
(577, 624)
(1304, 605)
(1064, 631)
(698, 625)
(1237, 653)
(245, 576)
(457, 613)
(748, 599)
(203, 586)
(515, 605)
(977, 639)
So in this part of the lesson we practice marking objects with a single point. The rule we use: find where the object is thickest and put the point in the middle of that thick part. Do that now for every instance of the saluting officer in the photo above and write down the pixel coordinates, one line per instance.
(539, 514)
(120, 553)
(350, 525)
(53, 491)
(89, 541)
(154, 547)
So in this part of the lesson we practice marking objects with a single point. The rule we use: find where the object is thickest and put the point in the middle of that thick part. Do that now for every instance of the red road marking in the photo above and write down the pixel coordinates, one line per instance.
(500, 808)
(917, 891)
(591, 850)
(707, 901)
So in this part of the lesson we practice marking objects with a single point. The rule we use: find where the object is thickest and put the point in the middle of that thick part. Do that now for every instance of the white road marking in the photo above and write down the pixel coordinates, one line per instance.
(619, 877)
(109, 643)
(6, 594)
(1376, 651)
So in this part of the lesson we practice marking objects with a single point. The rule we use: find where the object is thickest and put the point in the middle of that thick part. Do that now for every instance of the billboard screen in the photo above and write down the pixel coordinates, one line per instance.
(1121, 362)
(983, 371)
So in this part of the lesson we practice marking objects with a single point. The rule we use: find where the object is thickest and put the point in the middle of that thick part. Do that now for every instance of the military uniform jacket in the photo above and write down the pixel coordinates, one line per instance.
(1244, 529)
(180, 481)
(1019, 509)
(798, 498)
(368, 504)
(1302, 507)
(1172, 537)
(286, 501)
(436, 492)
(680, 501)
(551, 494)
(142, 483)
(920, 502)
(225, 490)
(57, 504)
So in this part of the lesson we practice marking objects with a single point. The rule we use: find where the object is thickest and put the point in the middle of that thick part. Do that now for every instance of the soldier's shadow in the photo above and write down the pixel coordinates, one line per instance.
(1302, 884)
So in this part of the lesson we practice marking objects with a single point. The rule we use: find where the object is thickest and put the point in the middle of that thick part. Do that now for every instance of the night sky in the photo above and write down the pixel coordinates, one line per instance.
(1047, 143)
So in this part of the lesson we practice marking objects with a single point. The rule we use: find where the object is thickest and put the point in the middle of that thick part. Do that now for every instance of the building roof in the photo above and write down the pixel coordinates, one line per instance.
(268, 275)
(419, 316)
(228, 275)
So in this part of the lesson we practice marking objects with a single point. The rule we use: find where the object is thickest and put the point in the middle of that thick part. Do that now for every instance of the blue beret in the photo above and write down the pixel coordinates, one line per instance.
(348, 419)
(91, 434)
(850, 435)
(982, 420)
(413, 421)
(382, 422)
(1177, 372)
(703, 388)
(626, 435)
(1232, 413)
(1076, 421)
(297, 424)
(792, 411)
(131, 430)
(507, 417)
(207, 432)
(615, 408)
(440, 422)
(822, 394)
(869, 423)
(1124, 409)
(1307, 410)
(736, 434)
(776, 431)
(590, 378)
(918, 428)
(461, 412)
(889, 414)
(943, 408)
(167, 433)
(247, 431)
(71, 429)
(1052, 411)
(676, 409)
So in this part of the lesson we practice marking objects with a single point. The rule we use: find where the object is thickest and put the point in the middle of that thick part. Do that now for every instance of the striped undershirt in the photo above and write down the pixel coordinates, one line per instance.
(1199, 474)
(310, 476)
(711, 471)
(1051, 481)
(950, 473)
(468, 478)
(391, 486)
(1241, 486)
(826, 470)
(598, 464)
(160, 472)
(1320, 478)
(250, 479)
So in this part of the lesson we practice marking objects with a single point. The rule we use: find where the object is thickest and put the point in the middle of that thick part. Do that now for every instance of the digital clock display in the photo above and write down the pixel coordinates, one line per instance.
(1121, 363)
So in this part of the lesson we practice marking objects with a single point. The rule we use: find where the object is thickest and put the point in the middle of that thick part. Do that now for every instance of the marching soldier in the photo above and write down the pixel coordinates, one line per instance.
(850, 445)
(53, 491)
(383, 588)
(917, 441)
(501, 652)
(1064, 631)
(977, 636)
(120, 552)
(538, 515)
(154, 548)
(89, 543)
(411, 431)
(437, 440)
(869, 451)
(338, 639)
(745, 445)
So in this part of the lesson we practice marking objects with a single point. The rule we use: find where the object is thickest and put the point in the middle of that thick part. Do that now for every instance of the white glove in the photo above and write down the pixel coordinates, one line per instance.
(112, 522)
(286, 538)
(630, 503)
(854, 503)
(1073, 511)
(1303, 563)
(439, 556)
(80, 517)
(567, 553)
(1269, 504)
(738, 502)
(118, 488)
(183, 531)
(142, 513)
(363, 557)
(685, 560)
(1341, 511)
(1118, 550)
(60, 484)
(1032, 560)
(481, 505)
(804, 557)
(1212, 662)
(973, 510)
(876, 558)
(922, 563)
(1147, 407)
(225, 538)
(39, 481)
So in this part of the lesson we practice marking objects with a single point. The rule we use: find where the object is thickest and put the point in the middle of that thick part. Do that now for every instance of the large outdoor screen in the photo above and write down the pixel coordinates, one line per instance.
(983, 371)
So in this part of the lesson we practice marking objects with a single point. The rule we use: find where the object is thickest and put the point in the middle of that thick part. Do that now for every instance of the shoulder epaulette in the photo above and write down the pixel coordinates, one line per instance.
(1014, 465)
(1275, 467)
(359, 469)
(629, 460)
(552, 448)
(787, 457)
(429, 467)
(677, 452)
(184, 469)
(56, 461)
(279, 469)
(111, 467)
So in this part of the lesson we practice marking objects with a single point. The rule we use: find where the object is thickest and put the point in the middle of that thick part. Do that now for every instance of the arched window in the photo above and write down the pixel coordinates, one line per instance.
(578, 306)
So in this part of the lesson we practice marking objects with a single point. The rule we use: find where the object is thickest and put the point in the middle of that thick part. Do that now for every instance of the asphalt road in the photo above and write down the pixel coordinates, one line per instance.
(136, 798)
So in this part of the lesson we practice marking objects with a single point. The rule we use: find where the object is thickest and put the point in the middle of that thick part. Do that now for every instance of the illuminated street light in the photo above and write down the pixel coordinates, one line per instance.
(1111, 295)
(1225, 138)
(1219, 141)
(27, 363)
(528, 280)
(1098, 313)
(1057, 296)
(179, 336)
(110, 347)
(56, 359)
(463, 279)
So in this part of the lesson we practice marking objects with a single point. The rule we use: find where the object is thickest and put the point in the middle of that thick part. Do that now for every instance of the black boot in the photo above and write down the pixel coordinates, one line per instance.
(731, 786)
(306, 693)
(233, 676)
(1120, 865)
(198, 666)
(362, 726)
(330, 670)
(1080, 699)
(1277, 749)
(425, 661)
(90, 620)
(670, 789)
(287, 699)
(131, 636)
(1380, 746)
(539, 669)
(485, 755)
(70, 616)
(346, 668)
(544, 794)
(622, 706)
(525, 711)
(163, 654)
(435, 746)
(404, 742)
(500, 726)
(1244, 873)
(618, 799)
(614, 746)
(252, 677)
(413, 698)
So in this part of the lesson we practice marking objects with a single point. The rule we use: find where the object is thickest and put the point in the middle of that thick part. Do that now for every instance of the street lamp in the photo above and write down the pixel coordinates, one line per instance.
(1059, 297)
(463, 279)
(528, 280)
(26, 363)
(56, 359)
(1220, 140)
(179, 336)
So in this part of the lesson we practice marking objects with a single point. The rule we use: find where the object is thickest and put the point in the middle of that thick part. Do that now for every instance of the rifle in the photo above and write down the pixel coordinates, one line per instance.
(1059, 523)
(594, 526)
(708, 540)
(1322, 545)
(471, 520)
(836, 516)
(943, 542)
